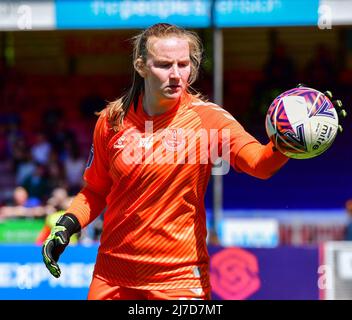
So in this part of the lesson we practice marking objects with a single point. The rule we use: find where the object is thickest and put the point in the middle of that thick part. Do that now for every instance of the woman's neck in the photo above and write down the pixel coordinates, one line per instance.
(154, 107)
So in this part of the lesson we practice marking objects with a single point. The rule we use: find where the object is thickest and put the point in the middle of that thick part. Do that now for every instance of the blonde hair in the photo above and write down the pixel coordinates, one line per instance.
(117, 110)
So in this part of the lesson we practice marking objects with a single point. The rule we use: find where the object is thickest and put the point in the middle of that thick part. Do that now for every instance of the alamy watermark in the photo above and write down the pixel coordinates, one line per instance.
(15, 16)
(324, 278)
(25, 16)
(324, 17)
(176, 146)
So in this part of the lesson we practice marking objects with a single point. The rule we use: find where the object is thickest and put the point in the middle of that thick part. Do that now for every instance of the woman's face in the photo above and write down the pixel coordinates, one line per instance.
(167, 68)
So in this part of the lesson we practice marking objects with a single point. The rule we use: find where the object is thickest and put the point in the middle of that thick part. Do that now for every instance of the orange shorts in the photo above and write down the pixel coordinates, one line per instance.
(102, 290)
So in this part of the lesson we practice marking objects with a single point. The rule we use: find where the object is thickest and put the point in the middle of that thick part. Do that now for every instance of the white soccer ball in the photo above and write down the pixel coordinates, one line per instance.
(302, 123)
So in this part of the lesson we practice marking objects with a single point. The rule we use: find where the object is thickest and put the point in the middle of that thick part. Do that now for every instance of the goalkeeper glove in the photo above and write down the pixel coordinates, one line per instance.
(58, 240)
(341, 112)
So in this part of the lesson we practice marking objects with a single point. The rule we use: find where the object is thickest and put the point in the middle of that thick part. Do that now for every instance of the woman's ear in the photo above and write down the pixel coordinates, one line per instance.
(140, 67)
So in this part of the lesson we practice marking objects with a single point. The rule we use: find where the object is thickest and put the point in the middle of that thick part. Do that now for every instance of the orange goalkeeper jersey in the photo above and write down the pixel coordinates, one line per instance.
(152, 176)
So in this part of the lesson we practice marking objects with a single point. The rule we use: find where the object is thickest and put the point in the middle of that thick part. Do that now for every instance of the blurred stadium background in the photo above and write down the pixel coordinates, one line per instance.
(61, 60)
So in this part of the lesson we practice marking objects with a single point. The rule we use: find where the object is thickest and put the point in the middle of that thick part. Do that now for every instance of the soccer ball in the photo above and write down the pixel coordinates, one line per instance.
(302, 123)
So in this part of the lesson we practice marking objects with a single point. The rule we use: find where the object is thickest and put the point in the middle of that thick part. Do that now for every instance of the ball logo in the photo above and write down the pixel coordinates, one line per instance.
(234, 274)
(173, 139)
(323, 136)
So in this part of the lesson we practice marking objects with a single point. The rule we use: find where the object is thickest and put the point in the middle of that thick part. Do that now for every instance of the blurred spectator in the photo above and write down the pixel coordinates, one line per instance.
(56, 176)
(74, 166)
(348, 233)
(21, 206)
(19, 153)
(41, 149)
(3, 147)
(59, 200)
(51, 117)
(21, 198)
(59, 135)
(25, 168)
(37, 184)
(56, 206)
(14, 133)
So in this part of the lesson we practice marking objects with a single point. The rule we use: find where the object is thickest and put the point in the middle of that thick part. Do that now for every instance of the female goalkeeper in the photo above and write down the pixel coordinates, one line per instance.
(152, 156)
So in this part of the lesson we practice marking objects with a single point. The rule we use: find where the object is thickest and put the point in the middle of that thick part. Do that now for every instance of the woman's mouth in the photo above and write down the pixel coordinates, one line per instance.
(174, 87)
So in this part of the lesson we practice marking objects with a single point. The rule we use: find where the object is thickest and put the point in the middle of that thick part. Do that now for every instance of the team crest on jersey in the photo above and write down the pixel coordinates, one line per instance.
(173, 139)
(120, 144)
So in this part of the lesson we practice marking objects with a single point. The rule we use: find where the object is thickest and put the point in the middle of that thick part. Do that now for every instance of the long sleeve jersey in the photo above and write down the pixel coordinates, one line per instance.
(151, 176)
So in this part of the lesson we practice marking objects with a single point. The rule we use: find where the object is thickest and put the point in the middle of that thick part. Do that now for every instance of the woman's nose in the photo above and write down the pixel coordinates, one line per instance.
(175, 72)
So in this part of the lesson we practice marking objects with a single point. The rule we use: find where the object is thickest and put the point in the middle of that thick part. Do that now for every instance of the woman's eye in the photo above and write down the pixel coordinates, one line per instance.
(164, 65)
(183, 65)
